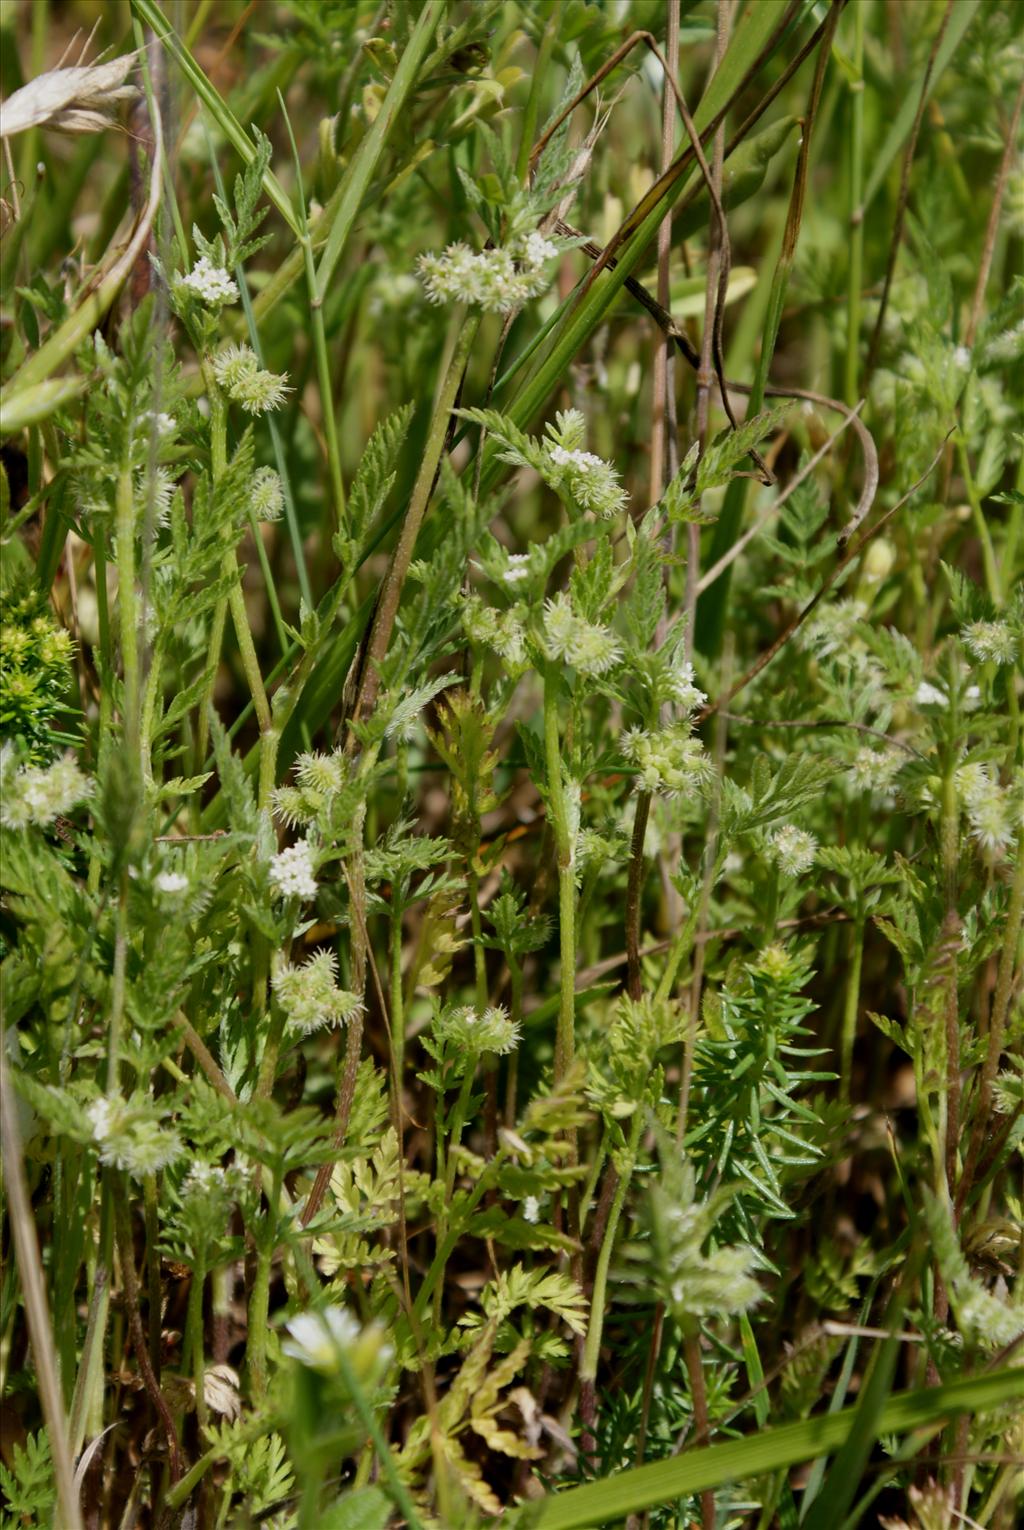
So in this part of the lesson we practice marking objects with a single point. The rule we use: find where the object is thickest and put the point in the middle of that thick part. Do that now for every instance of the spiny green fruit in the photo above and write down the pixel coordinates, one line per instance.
(35, 673)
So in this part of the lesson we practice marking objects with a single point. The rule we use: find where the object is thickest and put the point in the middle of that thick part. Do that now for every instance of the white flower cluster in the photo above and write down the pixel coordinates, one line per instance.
(928, 695)
(587, 646)
(991, 642)
(495, 280)
(310, 995)
(682, 690)
(246, 383)
(293, 872)
(793, 850)
(267, 495)
(591, 482)
(171, 883)
(493, 1031)
(130, 1139)
(990, 810)
(316, 1339)
(39, 794)
(874, 770)
(501, 630)
(667, 762)
(210, 283)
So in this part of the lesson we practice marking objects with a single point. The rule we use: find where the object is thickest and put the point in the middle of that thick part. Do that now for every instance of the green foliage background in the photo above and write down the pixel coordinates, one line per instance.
(510, 680)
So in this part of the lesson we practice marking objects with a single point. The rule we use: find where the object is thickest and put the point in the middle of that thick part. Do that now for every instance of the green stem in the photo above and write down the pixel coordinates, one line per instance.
(988, 556)
(259, 1299)
(856, 276)
(127, 604)
(193, 1344)
(592, 1343)
(850, 1007)
(565, 1044)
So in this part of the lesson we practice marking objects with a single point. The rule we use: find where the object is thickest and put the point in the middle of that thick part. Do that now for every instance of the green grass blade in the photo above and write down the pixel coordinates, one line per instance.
(150, 13)
(751, 37)
(960, 19)
(602, 1503)
(369, 152)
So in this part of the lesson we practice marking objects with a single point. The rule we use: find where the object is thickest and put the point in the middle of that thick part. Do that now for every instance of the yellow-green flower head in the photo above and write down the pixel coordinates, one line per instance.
(267, 495)
(793, 850)
(309, 994)
(587, 646)
(246, 383)
(492, 1031)
(992, 642)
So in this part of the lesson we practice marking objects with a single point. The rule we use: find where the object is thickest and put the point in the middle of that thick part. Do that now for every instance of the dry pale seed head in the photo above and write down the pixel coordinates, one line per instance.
(80, 99)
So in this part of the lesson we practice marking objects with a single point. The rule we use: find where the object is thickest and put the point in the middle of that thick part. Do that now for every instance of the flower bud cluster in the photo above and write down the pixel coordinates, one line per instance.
(590, 481)
(587, 646)
(874, 770)
(793, 850)
(992, 813)
(991, 642)
(495, 280)
(38, 794)
(246, 383)
(127, 1136)
(473, 1033)
(309, 994)
(501, 630)
(668, 761)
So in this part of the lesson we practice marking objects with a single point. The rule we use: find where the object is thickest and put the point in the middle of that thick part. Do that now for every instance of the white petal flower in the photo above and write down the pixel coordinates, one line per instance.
(928, 695)
(170, 882)
(38, 794)
(210, 283)
(794, 850)
(531, 1209)
(292, 872)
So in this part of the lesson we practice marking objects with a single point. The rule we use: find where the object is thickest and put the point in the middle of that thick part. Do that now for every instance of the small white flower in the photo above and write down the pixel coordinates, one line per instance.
(531, 1209)
(684, 692)
(292, 872)
(101, 1117)
(317, 1338)
(928, 695)
(210, 283)
(518, 568)
(991, 642)
(962, 357)
(170, 882)
(794, 850)
(537, 249)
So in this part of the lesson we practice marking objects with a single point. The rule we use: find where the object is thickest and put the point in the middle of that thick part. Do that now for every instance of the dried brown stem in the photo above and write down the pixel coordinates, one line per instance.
(851, 552)
(904, 196)
(992, 229)
(126, 1254)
